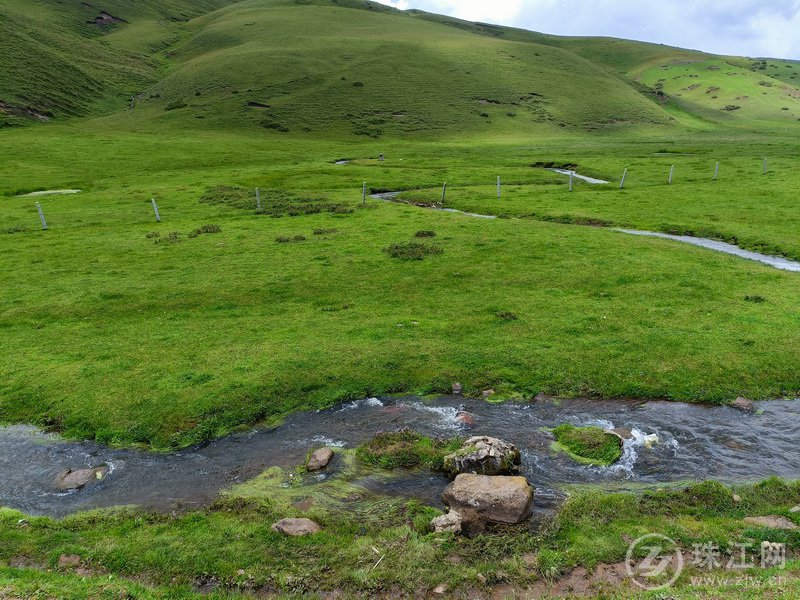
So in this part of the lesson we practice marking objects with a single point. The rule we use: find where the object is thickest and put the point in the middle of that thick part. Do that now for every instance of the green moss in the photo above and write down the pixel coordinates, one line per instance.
(406, 449)
(590, 445)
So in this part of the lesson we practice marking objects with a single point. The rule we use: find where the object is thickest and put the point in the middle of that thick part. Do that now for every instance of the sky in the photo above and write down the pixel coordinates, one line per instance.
(757, 28)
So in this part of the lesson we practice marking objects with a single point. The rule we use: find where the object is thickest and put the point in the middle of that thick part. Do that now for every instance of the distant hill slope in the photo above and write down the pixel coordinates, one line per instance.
(359, 68)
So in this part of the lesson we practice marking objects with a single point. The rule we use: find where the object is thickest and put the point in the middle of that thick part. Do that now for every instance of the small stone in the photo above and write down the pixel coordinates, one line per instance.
(737, 498)
(457, 389)
(795, 510)
(296, 527)
(451, 522)
(440, 589)
(319, 459)
(771, 522)
(69, 560)
(465, 418)
(487, 394)
(482, 578)
(623, 432)
(240, 572)
(743, 404)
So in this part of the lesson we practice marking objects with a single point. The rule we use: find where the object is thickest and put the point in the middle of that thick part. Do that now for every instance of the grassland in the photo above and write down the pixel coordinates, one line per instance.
(126, 331)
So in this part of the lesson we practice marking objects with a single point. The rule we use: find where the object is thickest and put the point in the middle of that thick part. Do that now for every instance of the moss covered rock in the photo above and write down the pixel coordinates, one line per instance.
(590, 445)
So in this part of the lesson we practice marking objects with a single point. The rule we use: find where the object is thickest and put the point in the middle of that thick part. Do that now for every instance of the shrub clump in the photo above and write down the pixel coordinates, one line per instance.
(324, 231)
(173, 237)
(412, 250)
(506, 315)
(406, 449)
(205, 229)
(425, 234)
(590, 445)
(285, 239)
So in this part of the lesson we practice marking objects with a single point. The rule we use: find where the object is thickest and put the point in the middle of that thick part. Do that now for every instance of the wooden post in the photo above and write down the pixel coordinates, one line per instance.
(671, 171)
(498, 186)
(258, 200)
(765, 166)
(624, 175)
(364, 193)
(444, 192)
(41, 216)
(716, 171)
(571, 174)
(155, 210)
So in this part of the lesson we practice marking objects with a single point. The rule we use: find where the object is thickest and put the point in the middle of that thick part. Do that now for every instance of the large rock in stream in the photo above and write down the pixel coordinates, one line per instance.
(70, 479)
(484, 455)
(319, 459)
(496, 499)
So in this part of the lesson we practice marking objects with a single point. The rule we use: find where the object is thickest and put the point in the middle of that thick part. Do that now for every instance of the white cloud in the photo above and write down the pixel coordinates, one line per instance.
(741, 27)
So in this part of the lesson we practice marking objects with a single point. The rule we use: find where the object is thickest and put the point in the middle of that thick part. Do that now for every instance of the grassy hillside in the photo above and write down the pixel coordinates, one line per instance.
(55, 61)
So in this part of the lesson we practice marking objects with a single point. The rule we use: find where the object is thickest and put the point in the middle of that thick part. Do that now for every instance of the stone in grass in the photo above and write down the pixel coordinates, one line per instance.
(491, 499)
(589, 445)
(451, 522)
(771, 522)
(795, 510)
(296, 527)
(77, 479)
(743, 404)
(319, 459)
(485, 455)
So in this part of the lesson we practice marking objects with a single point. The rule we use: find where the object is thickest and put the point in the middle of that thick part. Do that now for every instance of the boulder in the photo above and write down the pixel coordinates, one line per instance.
(457, 388)
(487, 393)
(296, 527)
(449, 522)
(771, 522)
(70, 479)
(743, 404)
(484, 455)
(498, 499)
(623, 433)
(319, 459)
(795, 510)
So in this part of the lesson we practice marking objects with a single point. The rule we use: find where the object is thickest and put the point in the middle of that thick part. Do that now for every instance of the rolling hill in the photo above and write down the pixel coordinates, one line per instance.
(349, 67)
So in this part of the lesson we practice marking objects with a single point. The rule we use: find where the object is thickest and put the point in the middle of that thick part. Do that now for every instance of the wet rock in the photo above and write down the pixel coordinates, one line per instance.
(771, 522)
(487, 394)
(296, 527)
(319, 459)
(70, 479)
(623, 432)
(484, 455)
(457, 389)
(451, 522)
(498, 499)
(743, 404)
(465, 418)
(69, 560)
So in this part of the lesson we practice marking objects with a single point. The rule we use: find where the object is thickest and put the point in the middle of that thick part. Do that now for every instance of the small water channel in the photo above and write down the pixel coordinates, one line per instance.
(671, 442)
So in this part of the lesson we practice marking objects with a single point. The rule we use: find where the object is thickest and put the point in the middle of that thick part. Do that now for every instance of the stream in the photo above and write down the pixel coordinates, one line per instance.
(777, 262)
(671, 443)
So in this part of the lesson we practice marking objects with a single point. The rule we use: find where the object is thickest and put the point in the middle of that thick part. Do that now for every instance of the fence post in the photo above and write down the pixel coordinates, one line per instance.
(364, 193)
(624, 175)
(716, 171)
(671, 171)
(155, 210)
(444, 192)
(498, 186)
(41, 216)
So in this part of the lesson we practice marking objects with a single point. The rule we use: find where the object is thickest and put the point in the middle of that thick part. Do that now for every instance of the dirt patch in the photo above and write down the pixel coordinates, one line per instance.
(258, 105)
(554, 165)
(105, 19)
(488, 101)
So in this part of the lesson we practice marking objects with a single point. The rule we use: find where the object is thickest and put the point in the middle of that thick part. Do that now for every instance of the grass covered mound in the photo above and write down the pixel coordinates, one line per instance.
(406, 449)
(589, 445)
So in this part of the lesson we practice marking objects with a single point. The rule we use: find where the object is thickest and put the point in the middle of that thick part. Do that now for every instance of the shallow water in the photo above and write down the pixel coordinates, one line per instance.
(694, 443)
(567, 172)
(774, 261)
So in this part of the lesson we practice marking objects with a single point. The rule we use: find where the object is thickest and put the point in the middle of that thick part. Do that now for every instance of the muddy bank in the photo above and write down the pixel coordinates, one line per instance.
(669, 442)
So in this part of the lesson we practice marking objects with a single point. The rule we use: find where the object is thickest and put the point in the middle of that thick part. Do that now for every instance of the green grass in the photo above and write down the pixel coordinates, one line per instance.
(406, 449)
(589, 445)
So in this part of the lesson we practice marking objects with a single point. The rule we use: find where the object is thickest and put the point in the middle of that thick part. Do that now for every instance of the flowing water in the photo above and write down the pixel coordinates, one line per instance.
(672, 442)
(777, 262)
